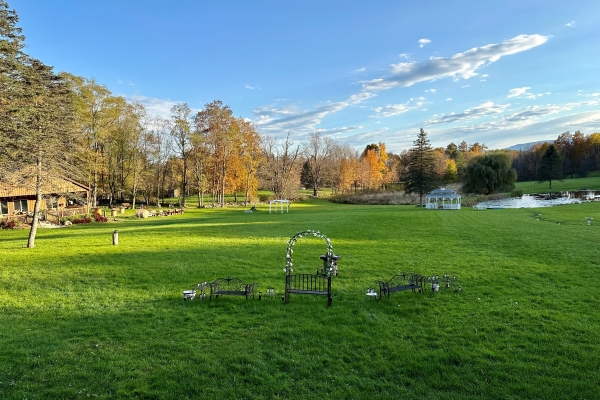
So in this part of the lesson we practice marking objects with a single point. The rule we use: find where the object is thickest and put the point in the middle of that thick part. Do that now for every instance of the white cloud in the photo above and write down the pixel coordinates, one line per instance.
(449, 99)
(522, 93)
(249, 87)
(430, 91)
(571, 24)
(343, 129)
(159, 107)
(484, 75)
(486, 108)
(404, 55)
(392, 110)
(271, 119)
(129, 83)
(521, 118)
(423, 42)
(461, 65)
(363, 69)
(360, 139)
(464, 86)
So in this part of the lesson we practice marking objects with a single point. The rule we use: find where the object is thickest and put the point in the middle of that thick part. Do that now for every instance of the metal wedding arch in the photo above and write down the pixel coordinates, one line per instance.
(319, 283)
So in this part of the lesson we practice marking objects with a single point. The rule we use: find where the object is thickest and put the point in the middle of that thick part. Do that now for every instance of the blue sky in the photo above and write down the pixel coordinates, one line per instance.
(501, 73)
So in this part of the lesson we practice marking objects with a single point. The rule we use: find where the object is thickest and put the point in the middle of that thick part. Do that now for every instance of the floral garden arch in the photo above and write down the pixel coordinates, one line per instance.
(330, 257)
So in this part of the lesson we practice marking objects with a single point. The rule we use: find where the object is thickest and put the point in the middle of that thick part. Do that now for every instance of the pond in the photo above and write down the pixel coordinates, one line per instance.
(528, 201)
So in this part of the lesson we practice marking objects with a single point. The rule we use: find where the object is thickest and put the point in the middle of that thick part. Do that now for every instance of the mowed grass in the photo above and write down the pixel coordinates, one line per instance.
(591, 182)
(82, 318)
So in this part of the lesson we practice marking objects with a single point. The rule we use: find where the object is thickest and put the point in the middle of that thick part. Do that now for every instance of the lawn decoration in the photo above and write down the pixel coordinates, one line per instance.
(319, 283)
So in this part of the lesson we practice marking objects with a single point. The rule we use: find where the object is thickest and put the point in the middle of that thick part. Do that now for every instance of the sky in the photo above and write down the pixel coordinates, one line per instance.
(495, 72)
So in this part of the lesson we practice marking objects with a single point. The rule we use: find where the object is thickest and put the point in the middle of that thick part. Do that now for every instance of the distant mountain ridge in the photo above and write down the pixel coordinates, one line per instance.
(525, 146)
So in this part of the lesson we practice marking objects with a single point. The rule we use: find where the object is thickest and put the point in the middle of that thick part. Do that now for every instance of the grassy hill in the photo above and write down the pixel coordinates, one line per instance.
(82, 318)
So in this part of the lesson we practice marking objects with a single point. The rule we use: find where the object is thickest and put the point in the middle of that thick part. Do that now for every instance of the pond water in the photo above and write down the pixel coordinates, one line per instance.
(527, 201)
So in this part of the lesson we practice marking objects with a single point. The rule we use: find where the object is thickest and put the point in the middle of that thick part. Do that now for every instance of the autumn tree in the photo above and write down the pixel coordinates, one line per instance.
(181, 132)
(281, 169)
(159, 153)
(421, 176)
(251, 157)
(564, 145)
(317, 152)
(97, 114)
(451, 172)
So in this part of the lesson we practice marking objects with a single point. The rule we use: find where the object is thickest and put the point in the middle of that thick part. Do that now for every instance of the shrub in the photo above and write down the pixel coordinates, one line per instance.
(100, 218)
(82, 220)
(264, 197)
(516, 193)
(8, 224)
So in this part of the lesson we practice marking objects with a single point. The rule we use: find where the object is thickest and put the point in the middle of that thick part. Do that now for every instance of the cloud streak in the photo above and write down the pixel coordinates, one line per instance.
(291, 118)
(392, 110)
(461, 65)
(487, 108)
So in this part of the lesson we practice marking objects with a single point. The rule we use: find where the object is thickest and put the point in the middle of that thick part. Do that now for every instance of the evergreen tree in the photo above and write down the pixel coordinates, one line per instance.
(36, 114)
(421, 176)
(306, 179)
(551, 166)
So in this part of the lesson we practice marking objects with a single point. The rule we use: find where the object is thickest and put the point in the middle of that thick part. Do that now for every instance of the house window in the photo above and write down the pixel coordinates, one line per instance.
(21, 206)
(3, 207)
(51, 202)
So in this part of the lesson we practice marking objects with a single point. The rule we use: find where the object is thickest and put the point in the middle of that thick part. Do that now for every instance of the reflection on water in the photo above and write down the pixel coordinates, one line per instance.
(527, 201)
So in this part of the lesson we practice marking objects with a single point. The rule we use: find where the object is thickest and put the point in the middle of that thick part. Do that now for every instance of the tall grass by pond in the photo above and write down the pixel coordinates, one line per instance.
(82, 318)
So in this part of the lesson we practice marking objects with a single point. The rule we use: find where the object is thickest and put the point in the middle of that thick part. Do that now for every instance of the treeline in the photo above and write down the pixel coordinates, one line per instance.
(579, 153)
(61, 124)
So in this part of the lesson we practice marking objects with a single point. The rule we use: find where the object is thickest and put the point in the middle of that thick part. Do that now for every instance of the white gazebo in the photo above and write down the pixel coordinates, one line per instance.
(279, 203)
(444, 199)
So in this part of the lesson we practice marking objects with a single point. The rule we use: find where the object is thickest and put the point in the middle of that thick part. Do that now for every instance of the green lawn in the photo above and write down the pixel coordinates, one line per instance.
(590, 182)
(81, 318)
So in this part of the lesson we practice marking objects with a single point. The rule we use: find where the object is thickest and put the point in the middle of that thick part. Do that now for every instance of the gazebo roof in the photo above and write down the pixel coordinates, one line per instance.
(445, 193)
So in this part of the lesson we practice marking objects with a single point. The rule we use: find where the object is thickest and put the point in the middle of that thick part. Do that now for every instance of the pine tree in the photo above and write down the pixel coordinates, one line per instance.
(551, 166)
(36, 115)
(421, 176)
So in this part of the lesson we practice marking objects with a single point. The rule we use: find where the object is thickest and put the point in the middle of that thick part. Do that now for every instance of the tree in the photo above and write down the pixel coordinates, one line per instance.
(421, 176)
(451, 173)
(550, 166)
(478, 148)
(98, 114)
(251, 157)
(564, 145)
(181, 133)
(451, 151)
(317, 151)
(490, 173)
(36, 117)
(280, 172)
(305, 175)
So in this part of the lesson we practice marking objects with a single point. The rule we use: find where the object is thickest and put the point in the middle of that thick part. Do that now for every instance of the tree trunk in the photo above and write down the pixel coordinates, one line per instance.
(37, 206)
(247, 190)
(184, 184)
(223, 186)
